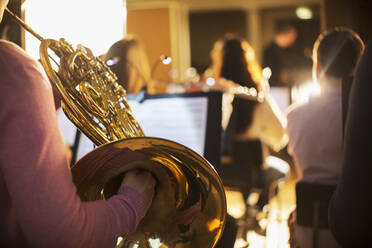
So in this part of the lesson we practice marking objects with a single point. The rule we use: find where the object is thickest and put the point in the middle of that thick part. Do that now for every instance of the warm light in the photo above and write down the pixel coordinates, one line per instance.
(255, 240)
(166, 60)
(235, 203)
(304, 13)
(191, 72)
(239, 243)
(266, 72)
(261, 96)
(253, 198)
(119, 241)
(88, 22)
(303, 92)
(278, 164)
(113, 61)
(252, 92)
(213, 225)
(155, 242)
(210, 81)
(173, 73)
(236, 212)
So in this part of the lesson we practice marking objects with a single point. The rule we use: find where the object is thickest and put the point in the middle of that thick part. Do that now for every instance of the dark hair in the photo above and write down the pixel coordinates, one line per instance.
(235, 68)
(234, 62)
(338, 51)
(284, 26)
(119, 52)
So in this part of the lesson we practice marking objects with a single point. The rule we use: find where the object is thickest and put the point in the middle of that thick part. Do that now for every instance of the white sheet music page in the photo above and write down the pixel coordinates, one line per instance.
(180, 119)
(281, 96)
(68, 131)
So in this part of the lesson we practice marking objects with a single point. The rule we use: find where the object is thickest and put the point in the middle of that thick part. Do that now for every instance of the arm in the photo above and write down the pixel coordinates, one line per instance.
(293, 131)
(268, 124)
(35, 169)
(350, 207)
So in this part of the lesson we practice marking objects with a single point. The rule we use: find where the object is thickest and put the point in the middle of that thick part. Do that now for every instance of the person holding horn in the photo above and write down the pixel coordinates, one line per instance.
(39, 206)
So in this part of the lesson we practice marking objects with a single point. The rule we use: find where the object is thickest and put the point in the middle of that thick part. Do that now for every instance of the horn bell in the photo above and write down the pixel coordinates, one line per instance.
(189, 206)
(185, 179)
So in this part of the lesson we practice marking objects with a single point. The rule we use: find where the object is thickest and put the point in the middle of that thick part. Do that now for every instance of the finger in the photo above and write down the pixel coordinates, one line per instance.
(150, 180)
(148, 175)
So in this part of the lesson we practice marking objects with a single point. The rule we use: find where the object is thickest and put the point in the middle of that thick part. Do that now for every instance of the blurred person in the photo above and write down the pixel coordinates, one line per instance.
(39, 206)
(127, 58)
(351, 204)
(286, 58)
(315, 129)
(252, 125)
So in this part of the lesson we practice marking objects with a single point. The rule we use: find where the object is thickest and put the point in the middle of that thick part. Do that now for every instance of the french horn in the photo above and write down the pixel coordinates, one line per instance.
(94, 101)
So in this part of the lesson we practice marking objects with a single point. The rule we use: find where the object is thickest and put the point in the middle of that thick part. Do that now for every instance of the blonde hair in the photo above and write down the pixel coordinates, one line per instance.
(132, 68)
(253, 66)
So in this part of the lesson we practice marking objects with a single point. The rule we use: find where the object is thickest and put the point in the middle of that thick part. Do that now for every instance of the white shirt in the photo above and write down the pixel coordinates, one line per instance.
(268, 125)
(315, 136)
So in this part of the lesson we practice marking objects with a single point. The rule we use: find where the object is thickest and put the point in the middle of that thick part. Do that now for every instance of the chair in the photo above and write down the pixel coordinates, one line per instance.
(243, 169)
(312, 200)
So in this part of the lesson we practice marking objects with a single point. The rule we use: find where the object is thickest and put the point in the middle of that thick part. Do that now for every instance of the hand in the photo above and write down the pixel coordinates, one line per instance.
(185, 218)
(143, 182)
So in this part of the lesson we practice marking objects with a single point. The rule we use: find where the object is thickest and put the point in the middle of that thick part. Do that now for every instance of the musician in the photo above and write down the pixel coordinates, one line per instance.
(315, 129)
(286, 58)
(350, 207)
(252, 125)
(234, 65)
(39, 206)
(127, 58)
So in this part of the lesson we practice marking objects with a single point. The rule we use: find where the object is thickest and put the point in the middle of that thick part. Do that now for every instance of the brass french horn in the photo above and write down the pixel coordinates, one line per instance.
(94, 101)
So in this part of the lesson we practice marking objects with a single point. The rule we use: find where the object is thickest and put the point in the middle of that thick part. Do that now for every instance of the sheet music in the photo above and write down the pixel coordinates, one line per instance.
(182, 119)
(281, 96)
(66, 127)
(68, 131)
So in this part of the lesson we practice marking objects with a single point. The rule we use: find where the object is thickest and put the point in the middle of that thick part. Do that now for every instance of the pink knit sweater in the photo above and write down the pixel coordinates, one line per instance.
(39, 206)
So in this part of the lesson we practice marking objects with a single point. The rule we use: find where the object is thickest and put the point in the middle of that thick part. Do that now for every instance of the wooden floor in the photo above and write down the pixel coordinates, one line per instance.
(280, 207)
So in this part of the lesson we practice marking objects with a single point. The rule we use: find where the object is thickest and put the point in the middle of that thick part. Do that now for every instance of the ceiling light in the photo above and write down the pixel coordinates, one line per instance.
(304, 13)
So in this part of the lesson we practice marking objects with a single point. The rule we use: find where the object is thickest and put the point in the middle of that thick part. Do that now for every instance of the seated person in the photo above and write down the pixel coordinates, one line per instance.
(350, 208)
(315, 128)
(128, 60)
(251, 125)
(39, 204)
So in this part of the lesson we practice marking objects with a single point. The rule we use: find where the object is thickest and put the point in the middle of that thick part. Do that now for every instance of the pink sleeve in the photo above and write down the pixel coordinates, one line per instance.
(35, 169)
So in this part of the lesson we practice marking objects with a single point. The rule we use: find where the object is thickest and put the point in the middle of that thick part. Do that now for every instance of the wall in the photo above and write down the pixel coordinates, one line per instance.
(207, 27)
(152, 27)
(355, 14)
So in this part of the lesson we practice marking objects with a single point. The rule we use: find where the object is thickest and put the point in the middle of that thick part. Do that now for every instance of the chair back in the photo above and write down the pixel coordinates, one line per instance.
(312, 200)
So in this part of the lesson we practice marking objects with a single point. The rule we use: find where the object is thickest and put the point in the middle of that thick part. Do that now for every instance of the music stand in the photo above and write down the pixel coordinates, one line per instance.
(201, 113)
(184, 117)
